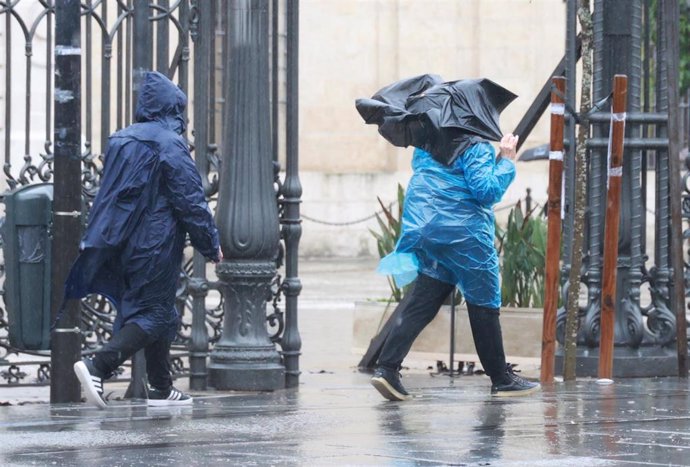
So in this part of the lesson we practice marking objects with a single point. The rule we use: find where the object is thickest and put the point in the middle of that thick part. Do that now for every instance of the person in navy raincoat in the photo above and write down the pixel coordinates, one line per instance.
(447, 235)
(151, 197)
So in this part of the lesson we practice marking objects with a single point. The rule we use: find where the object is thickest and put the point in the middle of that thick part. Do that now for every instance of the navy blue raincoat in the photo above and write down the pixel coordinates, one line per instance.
(150, 197)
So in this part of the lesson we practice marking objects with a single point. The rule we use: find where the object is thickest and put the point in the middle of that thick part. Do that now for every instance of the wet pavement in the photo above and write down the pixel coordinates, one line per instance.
(336, 418)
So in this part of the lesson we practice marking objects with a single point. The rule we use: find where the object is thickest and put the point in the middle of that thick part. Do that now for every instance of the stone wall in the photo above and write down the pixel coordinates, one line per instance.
(351, 48)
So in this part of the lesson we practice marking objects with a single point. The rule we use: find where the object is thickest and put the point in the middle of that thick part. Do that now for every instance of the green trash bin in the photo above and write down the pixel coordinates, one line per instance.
(26, 247)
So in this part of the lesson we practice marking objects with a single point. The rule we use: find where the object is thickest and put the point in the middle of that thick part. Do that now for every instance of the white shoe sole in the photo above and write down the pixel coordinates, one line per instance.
(90, 392)
(388, 391)
(168, 403)
(525, 392)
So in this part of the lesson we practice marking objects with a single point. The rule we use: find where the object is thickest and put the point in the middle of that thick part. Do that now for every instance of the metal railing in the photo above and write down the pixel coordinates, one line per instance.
(184, 39)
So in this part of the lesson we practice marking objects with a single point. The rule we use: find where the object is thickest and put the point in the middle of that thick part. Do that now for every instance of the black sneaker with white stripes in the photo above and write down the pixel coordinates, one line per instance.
(168, 397)
(91, 383)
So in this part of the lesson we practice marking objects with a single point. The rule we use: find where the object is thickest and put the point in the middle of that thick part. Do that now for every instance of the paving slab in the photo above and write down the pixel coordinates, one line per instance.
(336, 418)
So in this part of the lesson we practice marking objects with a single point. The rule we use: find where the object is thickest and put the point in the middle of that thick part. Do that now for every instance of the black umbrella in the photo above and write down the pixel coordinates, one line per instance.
(443, 118)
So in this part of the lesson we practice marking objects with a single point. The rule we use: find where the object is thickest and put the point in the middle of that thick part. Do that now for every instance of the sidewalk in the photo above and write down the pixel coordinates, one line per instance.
(330, 288)
(336, 418)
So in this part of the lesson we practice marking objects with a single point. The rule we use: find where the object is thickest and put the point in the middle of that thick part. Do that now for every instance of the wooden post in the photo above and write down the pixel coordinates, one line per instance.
(615, 180)
(553, 243)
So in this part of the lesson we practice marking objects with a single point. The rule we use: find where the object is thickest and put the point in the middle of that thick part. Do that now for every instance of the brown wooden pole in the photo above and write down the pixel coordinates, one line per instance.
(553, 242)
(615, 180)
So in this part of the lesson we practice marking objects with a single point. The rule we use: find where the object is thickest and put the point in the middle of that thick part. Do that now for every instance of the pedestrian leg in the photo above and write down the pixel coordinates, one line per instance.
(426, 297)
(125, 343)
(158, 363)
(488, 340)
(92, 371)
(428, 294)
(162, 393)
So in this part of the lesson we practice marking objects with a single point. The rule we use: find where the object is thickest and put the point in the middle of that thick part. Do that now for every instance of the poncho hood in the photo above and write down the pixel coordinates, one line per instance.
(160, 100)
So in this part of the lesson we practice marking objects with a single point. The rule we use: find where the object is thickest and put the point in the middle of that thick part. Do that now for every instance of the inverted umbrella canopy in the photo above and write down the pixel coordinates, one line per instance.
(443, 118)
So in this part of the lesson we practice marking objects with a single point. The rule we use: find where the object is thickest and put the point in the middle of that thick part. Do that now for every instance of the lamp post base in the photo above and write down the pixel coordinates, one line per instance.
(246, 369)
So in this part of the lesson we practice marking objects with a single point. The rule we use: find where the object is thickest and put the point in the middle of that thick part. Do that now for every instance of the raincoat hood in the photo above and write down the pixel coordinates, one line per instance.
(160, 100)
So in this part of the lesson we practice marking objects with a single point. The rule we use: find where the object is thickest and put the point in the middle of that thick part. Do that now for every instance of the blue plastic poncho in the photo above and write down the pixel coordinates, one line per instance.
(448, 223)
(150, 197)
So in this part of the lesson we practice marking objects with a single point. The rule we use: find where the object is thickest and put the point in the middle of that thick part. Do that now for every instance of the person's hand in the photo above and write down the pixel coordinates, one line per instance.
(220, 255)
(508, 147)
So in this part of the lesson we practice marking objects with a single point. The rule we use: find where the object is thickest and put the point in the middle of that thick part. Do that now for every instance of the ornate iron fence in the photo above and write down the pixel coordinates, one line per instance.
(645, 324)
(121, 39)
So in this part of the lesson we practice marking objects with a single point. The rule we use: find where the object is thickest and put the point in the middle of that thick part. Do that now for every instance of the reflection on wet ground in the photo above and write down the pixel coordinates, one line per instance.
(339, 419)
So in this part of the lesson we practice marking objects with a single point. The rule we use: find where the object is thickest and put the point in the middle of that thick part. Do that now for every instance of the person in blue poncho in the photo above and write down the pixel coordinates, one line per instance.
(447, 240)
(151, 197)
(447, 236)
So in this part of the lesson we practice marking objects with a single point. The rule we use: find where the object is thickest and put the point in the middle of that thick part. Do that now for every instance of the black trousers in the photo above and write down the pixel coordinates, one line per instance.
(419, 309)
(125, 344)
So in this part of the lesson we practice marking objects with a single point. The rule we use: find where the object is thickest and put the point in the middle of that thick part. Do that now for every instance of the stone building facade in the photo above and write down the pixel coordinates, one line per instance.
(350, 49)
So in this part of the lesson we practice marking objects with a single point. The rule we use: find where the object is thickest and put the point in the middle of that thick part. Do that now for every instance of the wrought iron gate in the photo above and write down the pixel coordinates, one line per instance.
(121, 39)
(646, 325)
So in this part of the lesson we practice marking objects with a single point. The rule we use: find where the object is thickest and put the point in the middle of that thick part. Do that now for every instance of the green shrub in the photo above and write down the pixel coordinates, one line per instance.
(522, 247)
(386, 239)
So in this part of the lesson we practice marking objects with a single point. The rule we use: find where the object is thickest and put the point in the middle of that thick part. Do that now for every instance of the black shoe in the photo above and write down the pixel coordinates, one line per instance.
(388, 383)
(91, 383)
(168, 397)
(513, 386)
